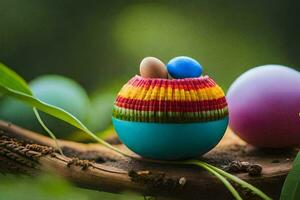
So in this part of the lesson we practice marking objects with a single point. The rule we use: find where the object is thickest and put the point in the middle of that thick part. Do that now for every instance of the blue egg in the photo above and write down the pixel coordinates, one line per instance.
(184, 67)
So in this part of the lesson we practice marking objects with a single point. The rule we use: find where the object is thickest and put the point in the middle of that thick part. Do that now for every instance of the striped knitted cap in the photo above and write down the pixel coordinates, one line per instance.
(170, 100)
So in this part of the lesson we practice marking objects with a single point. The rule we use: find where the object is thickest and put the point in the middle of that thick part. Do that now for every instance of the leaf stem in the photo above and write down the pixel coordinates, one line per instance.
(47, 130)
(226, 183)
(241, 182)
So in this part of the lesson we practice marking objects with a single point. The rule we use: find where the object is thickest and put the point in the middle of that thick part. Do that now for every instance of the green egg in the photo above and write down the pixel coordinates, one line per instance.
(55, 90)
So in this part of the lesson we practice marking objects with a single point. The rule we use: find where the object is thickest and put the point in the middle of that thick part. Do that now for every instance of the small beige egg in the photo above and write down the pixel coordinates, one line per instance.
(152, 67)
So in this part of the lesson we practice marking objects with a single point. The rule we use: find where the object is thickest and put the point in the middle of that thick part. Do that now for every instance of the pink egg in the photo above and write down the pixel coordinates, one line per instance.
(264, 106)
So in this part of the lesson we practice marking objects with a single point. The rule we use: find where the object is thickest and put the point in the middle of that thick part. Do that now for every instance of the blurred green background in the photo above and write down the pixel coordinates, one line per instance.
(50, 187)
(100, 43)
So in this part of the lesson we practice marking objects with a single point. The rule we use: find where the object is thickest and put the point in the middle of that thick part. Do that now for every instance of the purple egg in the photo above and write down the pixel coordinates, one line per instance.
(264, 106)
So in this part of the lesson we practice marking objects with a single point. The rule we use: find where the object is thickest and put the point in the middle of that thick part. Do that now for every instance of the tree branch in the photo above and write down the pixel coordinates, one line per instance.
(95, 167)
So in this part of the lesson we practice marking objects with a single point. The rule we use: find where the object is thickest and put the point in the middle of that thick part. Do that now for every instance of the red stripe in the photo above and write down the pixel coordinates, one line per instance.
(171, 106)
(186, 84)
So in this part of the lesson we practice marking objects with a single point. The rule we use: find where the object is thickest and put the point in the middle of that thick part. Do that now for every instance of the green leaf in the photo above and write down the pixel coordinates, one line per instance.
(291, 187)
(47, 108)
(13, 85)
(13, 80)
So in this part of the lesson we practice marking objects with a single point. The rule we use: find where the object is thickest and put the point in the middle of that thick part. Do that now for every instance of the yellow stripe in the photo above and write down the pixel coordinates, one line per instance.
(162, 93)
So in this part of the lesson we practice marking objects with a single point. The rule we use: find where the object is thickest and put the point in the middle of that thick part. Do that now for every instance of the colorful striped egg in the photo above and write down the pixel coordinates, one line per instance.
(170, 119)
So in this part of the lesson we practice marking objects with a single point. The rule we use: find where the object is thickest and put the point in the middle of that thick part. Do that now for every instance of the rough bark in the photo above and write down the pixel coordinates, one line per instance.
(95, 167)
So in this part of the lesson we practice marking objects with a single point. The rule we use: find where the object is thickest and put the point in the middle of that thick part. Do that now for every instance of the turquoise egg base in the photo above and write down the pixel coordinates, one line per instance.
(170, 141)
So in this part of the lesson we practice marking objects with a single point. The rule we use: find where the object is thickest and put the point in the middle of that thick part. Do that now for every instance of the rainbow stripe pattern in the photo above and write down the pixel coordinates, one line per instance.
(170, 100)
